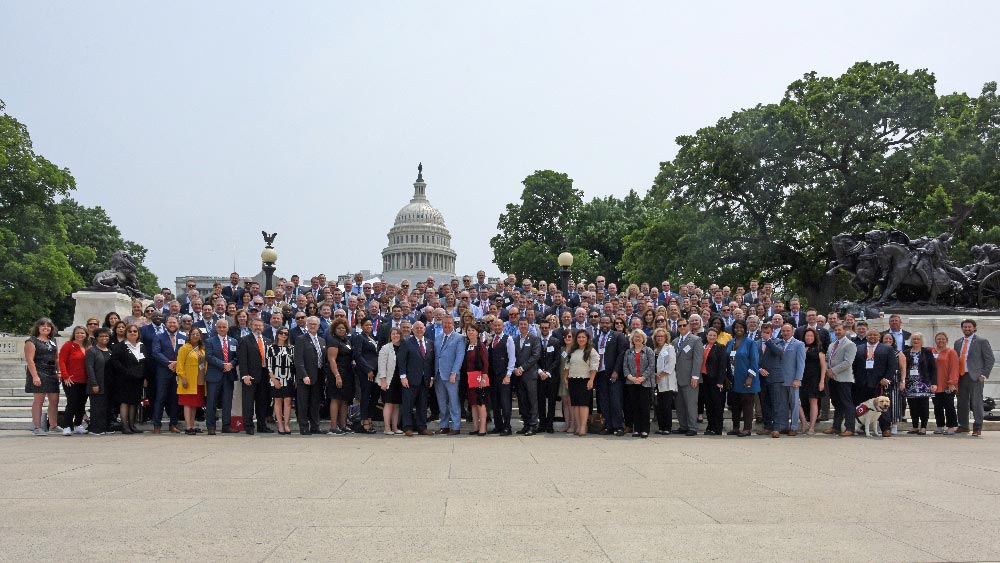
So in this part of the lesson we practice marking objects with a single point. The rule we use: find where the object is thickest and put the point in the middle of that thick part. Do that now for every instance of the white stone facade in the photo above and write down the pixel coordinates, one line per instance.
(419, 242)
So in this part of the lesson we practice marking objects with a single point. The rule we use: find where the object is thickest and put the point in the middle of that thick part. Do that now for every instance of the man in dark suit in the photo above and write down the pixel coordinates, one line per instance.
(611, 345)
(527, 351)
(415, 359)
(277, 323)
(874, 364)
(310, 353)
(251, 353)
(298, 326)
(500, 349)
(901, 336)
(234, 291)
(752, 297)
(548, 376)
(795, 316)
(386, 325)
(558, 306)
(165, 346)
(207, 320)
(824, 335)
(220, 353)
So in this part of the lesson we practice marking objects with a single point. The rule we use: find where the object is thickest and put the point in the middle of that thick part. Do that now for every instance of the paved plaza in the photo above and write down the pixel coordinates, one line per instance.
(542, 498)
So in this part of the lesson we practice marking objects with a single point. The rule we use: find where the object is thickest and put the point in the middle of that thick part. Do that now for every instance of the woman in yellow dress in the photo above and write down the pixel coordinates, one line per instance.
(191, 367)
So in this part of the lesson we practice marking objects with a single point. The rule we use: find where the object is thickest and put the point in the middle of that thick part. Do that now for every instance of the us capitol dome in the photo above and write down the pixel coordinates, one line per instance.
(419, 242)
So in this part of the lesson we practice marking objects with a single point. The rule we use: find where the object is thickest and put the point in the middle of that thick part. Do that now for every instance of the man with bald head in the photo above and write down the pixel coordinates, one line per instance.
(221, 356)
(415, 359)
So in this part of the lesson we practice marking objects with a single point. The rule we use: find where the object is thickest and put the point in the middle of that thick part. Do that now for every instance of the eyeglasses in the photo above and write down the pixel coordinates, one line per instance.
(92, 324)
(595, 316)
(661, 320)
(682, 324)
(283, 333)
(300, 318)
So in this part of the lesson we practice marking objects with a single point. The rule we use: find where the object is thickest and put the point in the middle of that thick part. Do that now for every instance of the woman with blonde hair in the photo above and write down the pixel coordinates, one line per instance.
(73, 372)
(639, 369)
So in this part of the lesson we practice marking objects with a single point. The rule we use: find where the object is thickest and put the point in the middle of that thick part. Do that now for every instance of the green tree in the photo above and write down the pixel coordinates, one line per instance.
(599, 233)
(532, 232)
(51, 246)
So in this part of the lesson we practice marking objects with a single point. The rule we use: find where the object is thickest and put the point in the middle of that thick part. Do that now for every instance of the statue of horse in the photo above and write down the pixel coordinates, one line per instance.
(895, 260)
(849, 252)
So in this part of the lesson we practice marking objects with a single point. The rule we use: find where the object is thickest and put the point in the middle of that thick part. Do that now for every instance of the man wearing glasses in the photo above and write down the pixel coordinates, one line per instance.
(300, 326)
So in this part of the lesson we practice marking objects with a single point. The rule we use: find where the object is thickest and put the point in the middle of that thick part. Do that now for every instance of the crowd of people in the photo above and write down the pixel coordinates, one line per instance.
(605, 359)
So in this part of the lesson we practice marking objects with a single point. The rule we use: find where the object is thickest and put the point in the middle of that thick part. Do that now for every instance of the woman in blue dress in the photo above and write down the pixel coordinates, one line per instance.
(743, 378)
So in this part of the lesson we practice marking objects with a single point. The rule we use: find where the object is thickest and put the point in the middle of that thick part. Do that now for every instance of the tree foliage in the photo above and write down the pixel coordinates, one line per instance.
(50, 244)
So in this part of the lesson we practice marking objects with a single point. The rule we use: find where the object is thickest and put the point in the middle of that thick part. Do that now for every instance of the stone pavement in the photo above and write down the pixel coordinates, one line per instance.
(542, 498)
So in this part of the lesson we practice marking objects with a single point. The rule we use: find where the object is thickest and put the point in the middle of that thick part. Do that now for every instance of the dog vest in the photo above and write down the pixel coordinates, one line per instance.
(861, 410)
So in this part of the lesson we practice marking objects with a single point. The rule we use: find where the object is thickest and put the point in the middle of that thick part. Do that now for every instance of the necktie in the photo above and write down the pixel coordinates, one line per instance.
(673, 326)
(225, 351)
(835, 345)
(496, 340)
(423, 351)
(445, 341)
(965, 354)
(319, 351)
(260, 346)
(173, 342)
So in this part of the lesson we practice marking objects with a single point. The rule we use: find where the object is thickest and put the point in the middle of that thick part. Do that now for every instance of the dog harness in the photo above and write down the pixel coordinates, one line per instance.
(861, 410)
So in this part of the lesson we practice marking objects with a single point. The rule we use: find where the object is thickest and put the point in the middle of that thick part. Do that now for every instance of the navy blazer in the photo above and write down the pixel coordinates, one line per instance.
(163, 352)
(886, 362)
(418, 370)
(213, 355)
(770, 360)
(365, 352)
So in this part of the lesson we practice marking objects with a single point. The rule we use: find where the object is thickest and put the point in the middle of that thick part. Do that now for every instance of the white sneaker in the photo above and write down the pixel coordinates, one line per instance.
(67, 432)
(388, 433)
(39, 432)
(80, 430)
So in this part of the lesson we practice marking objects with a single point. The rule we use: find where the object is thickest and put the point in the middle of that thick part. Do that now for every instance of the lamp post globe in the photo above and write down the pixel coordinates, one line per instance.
(565, 261)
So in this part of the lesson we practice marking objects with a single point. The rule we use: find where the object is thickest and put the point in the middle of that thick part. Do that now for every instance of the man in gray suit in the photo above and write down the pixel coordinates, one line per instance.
(975, 359)
(527, 350)
(688, 368)
(840, 359)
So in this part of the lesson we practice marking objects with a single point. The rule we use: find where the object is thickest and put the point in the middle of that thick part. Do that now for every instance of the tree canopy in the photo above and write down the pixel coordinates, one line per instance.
(52, 245)
(762, 191)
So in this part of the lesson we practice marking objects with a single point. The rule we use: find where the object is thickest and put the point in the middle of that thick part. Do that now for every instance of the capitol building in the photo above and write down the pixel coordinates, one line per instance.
(419, 242)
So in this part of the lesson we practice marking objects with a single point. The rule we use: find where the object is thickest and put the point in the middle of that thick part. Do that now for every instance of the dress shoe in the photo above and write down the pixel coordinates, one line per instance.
(305, 433)
(962, 430)
(265, 430)
(830, 431)
(733, 432)
(229, 431)
(619, 433)
(175, 430)
(250, 431)
(156, 430)
(530, 432)
(506, 432)
(211, 431)
(454, 432)
(426, 432)
(977, 432)
(776, 434)
(763, 432)
(443, 431)
(784, 431)
(744, 434)
(550, 430)
(636, 434)
(887, 433)
(793, 432)
(523, 430)
(495, 431)
(846, 433)
(711, 433)
(691, 433)
(663, 432)
(408, 433)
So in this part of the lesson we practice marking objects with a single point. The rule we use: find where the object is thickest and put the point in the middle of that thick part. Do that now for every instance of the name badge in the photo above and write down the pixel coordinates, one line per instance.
(181, 341)
(935, 355)
(565, 354)
(870, 363)
(527, 345)
(470, 348)
(600, 351)
(687, 348)
(232, 347)
(914, 371)
(732, 354)
(550, 349)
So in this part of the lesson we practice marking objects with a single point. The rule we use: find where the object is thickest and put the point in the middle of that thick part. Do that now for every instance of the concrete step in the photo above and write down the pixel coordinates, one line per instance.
(12, 383)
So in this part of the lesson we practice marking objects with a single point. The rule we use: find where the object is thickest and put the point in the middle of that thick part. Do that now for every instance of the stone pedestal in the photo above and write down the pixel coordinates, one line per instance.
(97, 304)
(929, 325)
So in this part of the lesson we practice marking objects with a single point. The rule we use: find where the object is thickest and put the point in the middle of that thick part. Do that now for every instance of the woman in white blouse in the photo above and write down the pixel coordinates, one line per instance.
(666, 380)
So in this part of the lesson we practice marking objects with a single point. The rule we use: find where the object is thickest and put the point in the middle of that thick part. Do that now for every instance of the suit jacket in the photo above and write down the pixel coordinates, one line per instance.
(449, 356)
(551, 355)
(214, 357)
(163, 352)
(417, 369)
(248, 354)
(384, 327)
(885, 365)
(770, 361)
(689, 351)
(295, 332)
(231, 295)
(796, 319)
(526, 355)
(793, 360)
(715, 365)
(841, 361)
(365, 352)
(906, 338)
(979, 358)
(822, 333)
(307, 362)
(614, 351)
(751, 299)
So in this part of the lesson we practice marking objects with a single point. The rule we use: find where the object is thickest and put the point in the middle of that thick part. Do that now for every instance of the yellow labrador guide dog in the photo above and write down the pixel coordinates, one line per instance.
(868, 413)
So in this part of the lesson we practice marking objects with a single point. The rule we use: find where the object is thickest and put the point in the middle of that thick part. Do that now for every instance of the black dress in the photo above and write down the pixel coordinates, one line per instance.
(345, 366)
(811, 375)
(394, 394)
(281, 362)
(128, 373)
(45, 365)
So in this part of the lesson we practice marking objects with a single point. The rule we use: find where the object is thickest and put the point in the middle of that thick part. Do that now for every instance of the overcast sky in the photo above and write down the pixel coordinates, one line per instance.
(214, 121)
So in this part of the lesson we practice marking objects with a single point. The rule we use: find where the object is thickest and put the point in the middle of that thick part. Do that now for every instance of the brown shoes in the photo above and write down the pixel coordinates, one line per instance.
(776, 434)
(830, 431)
(763, 432)
(443, 431)
(977, 432)
(426, 432)
(454, 432)
(156, 430)
(962, 430)
(887, 433)
(408, 433)
(793, 432)
(175, 430)
(211, 431)
(846, 433)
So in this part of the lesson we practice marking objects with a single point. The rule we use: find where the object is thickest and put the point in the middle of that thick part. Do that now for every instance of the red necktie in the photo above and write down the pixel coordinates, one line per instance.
(225, 352)
(496, 340)
(423, 351)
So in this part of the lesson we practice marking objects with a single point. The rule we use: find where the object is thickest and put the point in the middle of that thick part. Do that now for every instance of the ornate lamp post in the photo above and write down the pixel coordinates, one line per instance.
(565, 260)
(268, 257)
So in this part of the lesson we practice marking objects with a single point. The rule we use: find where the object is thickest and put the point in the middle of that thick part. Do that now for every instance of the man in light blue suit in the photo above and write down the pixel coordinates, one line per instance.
(793, 364)
(450, 348)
